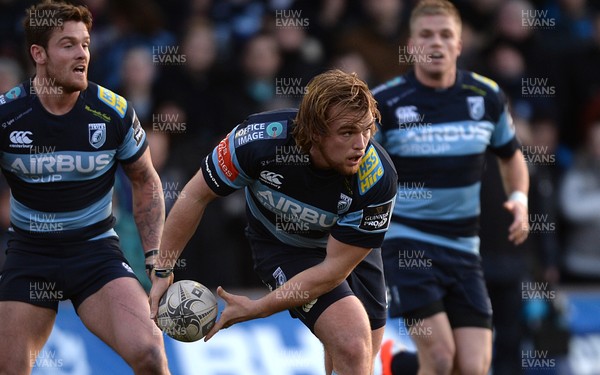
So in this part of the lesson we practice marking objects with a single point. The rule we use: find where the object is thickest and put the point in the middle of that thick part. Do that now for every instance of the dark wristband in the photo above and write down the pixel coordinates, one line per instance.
(163, 272)
(150, 253)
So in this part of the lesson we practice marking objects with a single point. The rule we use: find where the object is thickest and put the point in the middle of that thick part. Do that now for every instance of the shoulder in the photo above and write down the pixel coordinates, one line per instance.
(390, 87)
(272, 127)
(14, 98)
(483, 86)
(103, 99)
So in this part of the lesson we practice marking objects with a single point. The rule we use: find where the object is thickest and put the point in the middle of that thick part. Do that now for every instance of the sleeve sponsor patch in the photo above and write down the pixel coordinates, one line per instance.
(116, 102)
(12, 94)
(138, 131)
(370, 170)
(260, 131)
(224, 160)
(377, 218)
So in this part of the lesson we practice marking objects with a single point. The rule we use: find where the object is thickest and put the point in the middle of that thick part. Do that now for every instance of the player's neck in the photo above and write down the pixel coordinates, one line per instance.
(54, 98)
(436, 81)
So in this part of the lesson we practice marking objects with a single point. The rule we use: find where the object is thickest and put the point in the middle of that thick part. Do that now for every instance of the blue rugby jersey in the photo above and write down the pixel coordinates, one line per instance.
(437, 139)
(290, 200)
(61, 169)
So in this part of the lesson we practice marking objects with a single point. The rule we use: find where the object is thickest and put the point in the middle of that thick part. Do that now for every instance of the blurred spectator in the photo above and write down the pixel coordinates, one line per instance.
(380, 37)
(507, 66)
(255, 87)
(138, 74)
(547, 160)
(571, 22)
(133, 23)
(473, 43)
(479, 13)
(515, 25)
(578, 89)
(301, 54)
(10, 74)
(236, 21)
(172, 175)
(353, 62)
(190, 86)
(178, 11)
(580, 203)
(12, 13)
(103, 31)
(327, 19)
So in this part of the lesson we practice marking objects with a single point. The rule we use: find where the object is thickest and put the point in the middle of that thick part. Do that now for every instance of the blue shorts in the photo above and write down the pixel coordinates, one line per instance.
(424, 279)
(276, 263)
(44, 274)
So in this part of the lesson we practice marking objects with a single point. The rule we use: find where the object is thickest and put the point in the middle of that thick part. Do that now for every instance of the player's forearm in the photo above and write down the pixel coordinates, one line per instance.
(181, 224)
(299, 290)
(149, 210)
(313, 282)
(514, 173)
(183, 220)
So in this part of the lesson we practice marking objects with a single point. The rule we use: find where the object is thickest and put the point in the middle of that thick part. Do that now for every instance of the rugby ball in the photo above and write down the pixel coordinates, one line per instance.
(187, 311)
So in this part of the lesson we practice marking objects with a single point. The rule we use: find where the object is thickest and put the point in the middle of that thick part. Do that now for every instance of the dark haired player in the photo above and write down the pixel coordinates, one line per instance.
(61, 139)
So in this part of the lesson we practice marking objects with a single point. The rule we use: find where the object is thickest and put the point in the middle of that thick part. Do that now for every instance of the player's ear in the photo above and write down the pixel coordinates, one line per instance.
(38, 53)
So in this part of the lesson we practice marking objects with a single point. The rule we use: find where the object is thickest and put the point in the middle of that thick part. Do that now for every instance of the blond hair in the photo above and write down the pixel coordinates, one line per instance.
(332, 89)
(434, 8)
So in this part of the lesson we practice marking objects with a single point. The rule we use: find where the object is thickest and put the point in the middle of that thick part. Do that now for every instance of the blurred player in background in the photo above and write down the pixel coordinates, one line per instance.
(61, 140)
(437, 122)
(319, 195)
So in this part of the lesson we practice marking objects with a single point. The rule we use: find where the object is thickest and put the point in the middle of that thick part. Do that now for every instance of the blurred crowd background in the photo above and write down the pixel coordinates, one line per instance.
(193, 69)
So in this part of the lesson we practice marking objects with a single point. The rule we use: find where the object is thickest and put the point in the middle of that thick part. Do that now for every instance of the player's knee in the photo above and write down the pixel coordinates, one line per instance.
(355, 350)
(149, 359)
(475, 366)
(440, 360)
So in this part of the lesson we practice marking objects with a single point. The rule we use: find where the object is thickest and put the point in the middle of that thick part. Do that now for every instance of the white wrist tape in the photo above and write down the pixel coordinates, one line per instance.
(519, 196)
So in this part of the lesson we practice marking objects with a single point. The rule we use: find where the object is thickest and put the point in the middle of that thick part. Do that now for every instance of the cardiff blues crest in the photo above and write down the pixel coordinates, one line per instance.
(476, 107)
(97, 134)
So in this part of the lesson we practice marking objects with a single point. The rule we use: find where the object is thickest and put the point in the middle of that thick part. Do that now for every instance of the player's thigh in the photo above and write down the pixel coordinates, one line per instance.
(473, 349)
(344, 327)
(24, 329)
(119, 314)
